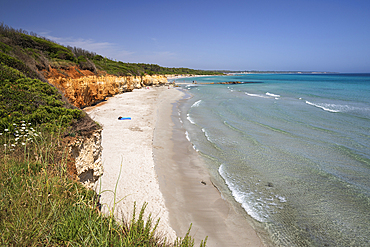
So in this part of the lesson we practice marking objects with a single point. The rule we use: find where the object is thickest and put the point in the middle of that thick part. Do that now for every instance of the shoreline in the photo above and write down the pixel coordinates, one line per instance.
(160, 167)
(128, 143)
(189, 193)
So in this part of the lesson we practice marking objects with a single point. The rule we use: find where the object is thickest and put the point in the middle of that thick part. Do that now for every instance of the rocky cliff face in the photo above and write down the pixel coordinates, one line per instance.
(86, 153)
(89, 90)
(82, 88)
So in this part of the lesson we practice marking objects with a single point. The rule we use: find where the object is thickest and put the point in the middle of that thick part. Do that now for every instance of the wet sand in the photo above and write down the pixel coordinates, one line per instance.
(160, 167)
(189, 193)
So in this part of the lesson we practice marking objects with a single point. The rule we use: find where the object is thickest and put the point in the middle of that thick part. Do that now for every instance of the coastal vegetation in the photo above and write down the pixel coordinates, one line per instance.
(41, 202)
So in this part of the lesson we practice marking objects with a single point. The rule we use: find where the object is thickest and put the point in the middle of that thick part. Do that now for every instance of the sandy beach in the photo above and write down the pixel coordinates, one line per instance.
(160, 167)
(129, 143)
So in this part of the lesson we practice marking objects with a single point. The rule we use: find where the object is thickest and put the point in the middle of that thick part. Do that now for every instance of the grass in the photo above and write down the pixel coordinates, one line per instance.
(41, 205)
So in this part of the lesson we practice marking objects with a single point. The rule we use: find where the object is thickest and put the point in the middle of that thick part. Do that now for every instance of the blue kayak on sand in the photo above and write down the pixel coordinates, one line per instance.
(124, 118)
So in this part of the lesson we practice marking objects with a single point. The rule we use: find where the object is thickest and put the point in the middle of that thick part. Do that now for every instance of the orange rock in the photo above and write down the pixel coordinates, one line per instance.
(88, 90)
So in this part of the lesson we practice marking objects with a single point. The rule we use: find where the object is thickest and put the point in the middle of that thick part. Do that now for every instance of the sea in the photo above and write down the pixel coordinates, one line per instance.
(291, 150)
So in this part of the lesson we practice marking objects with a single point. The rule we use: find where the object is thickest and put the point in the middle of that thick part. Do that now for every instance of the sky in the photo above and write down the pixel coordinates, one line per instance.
(280, 35)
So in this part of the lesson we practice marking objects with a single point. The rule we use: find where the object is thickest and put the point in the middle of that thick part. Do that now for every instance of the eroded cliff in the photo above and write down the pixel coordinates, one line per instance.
(86, 152)
(88, 90)
(83, 88)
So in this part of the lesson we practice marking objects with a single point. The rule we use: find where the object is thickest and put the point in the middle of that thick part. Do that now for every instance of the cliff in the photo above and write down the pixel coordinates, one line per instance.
(88, 90)
(82, 88)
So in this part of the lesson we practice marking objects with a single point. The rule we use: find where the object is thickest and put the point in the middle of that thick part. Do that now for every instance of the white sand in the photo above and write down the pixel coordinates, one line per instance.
(129, 143)
(183, 199)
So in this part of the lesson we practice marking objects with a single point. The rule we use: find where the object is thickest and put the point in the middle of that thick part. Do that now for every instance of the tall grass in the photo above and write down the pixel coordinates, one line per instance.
(40, 205)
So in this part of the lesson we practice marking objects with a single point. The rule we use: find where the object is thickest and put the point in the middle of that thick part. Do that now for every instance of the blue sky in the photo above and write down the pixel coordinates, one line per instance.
(306, 35)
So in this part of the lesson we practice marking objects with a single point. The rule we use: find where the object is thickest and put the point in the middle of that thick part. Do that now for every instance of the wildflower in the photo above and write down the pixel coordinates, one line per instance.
(23, 124)
(16, 139)
(1, 134)
(14, 124)
(23, 143)
(23, 127)
(5, 145)
(13, 145)
(7, 130)
(29, 123)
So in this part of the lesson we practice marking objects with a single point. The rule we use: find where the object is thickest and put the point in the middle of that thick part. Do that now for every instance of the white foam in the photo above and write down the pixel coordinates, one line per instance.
(206, 134)
(242, 197)
(273, 95)
(281, 198)
(325, 106)
(189, 118)
(196, 104)
(187, 136)
(256, 95)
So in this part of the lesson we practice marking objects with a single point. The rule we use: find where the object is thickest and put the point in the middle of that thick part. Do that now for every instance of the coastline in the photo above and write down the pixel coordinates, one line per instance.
(160, 167)
(129, 143)
(189, 193)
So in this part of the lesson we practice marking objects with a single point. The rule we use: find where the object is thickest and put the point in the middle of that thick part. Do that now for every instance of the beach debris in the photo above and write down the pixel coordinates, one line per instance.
(269, 184)
(202, 182)
(124, 118)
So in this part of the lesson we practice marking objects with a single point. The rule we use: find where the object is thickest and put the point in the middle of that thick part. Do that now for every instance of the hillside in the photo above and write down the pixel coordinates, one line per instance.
(49, 147)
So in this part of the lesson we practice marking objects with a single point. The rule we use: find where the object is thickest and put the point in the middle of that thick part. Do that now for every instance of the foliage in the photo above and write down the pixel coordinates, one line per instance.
(40, 205)
(17, 64)
(138, 69)
(33, 101)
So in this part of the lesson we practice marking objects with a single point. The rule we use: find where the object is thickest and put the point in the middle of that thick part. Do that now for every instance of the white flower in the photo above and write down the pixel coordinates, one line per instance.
(13, 145)
(23, 124)
(1, 134)
(29, 123)
(5, 145)
(16, 139)
(14, 124)
(23, 127)
(6, 130)
(23, 143)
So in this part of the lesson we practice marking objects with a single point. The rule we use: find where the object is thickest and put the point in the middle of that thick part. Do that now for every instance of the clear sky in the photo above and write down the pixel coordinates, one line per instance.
(306, 35)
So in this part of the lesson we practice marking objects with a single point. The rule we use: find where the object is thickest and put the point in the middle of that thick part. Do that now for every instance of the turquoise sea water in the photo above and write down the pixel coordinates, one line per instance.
(293, 150)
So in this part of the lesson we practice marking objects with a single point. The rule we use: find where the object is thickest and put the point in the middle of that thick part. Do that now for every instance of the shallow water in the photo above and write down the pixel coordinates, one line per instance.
(292, 150)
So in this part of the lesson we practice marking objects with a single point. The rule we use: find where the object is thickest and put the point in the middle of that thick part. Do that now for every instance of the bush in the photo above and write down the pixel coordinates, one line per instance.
(34, 101)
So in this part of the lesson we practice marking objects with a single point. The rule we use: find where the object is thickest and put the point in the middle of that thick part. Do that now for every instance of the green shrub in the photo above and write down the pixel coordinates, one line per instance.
(34, 101)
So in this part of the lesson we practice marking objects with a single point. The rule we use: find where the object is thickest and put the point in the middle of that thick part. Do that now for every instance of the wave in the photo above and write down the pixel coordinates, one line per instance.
(190, 119)
(325, 106)
(361, 110)
(242, 197)
(196, 104)
(206, 134)
(338, 108)
(273, 95)
(257, 95)
(187, 136)
(266, 95)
